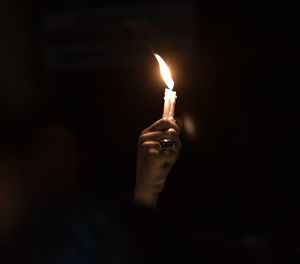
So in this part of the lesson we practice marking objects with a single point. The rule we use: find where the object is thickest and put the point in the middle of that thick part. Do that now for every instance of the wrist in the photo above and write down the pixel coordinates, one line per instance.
(145, 197)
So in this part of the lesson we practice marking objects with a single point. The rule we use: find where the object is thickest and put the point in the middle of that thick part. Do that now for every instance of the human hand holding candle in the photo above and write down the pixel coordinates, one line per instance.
(154, 165)
(158, 147)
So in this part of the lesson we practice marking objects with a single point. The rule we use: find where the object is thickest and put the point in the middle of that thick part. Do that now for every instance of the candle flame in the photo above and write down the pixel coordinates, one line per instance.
(165, 72)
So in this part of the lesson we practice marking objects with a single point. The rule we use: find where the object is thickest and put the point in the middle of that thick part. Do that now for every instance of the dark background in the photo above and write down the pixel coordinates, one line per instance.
(236, 75)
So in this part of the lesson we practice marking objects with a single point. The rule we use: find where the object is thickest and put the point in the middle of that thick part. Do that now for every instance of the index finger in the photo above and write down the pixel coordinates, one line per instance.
(162, 125)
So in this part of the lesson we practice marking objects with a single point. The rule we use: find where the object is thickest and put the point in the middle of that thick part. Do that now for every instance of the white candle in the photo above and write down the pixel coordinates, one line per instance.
(170, 95)
(169, 106)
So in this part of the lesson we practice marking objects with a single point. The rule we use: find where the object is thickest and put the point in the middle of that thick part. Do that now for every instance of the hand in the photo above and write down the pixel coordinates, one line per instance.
(154, 165)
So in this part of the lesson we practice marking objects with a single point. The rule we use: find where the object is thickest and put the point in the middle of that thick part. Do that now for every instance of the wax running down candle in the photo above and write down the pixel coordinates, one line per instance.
(170, 95)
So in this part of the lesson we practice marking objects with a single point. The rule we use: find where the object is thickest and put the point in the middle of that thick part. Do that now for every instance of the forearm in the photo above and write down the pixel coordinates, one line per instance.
(145, 197)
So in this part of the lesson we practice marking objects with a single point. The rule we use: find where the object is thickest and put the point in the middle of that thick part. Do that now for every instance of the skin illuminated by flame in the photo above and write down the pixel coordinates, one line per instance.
(165, 72)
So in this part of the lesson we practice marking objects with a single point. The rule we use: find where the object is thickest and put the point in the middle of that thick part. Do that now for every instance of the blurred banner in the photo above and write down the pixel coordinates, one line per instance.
(112, 36)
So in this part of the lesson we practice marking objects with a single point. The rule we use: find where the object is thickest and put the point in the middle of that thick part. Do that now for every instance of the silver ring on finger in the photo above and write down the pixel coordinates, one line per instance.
(167, 145)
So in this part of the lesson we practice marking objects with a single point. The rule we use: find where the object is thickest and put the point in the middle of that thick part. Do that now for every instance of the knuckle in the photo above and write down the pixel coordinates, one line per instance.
(172, 132)
(142, 138)
(144, 131)
(144, 145)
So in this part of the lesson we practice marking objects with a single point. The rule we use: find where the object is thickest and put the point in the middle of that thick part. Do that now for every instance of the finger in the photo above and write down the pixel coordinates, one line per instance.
(172, 134)
(153, 147)
(162, 124)
(157, 135)
(151, 144)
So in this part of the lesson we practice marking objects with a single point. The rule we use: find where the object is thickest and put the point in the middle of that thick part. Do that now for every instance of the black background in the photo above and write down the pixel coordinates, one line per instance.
(236, 74)
(238, 174)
